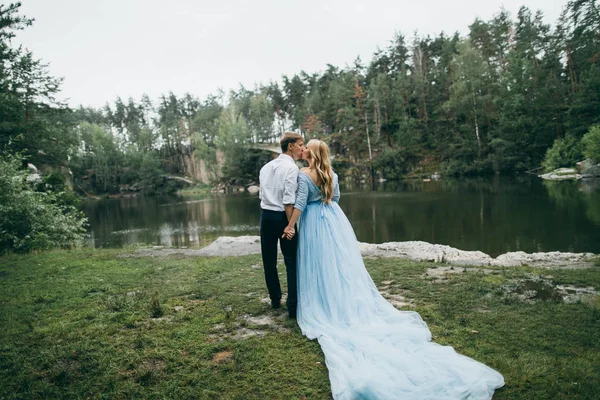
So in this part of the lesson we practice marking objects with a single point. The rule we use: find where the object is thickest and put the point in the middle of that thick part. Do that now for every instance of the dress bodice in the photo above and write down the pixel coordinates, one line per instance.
(309, 193)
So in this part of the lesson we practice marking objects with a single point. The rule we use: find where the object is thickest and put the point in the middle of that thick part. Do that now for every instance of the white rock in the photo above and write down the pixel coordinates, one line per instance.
(423, 251)
(551, 259)
(232, 246)
(561, 173)
(412, 250)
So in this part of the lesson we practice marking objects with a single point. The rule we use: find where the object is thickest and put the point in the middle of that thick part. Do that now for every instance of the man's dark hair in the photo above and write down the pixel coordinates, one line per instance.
(287, 138)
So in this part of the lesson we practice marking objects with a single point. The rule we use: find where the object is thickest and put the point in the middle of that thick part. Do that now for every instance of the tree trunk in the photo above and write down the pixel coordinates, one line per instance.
(477, 127)
(370, 153)
(571, 69)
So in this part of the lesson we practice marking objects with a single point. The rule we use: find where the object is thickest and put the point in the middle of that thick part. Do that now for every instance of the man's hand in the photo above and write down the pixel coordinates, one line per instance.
(288, 232)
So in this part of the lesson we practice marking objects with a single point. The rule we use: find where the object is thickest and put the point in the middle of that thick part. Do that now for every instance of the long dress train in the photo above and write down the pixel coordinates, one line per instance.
(372, 350)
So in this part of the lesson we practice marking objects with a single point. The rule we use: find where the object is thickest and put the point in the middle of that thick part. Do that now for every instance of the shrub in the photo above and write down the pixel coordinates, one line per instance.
(565, 152)
(393, 163)
(33, 220)
(591, 143)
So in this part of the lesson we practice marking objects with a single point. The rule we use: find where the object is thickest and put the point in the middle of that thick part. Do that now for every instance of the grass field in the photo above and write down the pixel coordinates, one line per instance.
(92, 324)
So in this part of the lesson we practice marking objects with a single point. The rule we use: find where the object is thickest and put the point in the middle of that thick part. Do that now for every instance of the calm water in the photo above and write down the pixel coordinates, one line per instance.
(492, 215)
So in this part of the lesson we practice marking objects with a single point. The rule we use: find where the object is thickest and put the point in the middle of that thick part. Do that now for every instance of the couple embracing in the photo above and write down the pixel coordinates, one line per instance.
(372, 350)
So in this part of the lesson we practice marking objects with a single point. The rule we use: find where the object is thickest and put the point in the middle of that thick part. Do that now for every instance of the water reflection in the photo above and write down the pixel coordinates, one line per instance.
(492, 215)
(170, 221)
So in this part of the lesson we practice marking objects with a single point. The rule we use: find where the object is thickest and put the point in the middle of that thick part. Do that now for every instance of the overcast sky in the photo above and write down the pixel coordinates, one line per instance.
(111, 48)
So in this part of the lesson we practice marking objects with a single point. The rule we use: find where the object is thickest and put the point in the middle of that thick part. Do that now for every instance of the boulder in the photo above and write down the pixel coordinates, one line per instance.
(591, 172)
(550, 259)
(423, 251)
(561, 173)
(585, 164)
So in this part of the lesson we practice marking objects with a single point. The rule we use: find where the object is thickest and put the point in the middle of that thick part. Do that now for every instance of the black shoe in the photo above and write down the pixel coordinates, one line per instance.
(292, 314)
(276, 303)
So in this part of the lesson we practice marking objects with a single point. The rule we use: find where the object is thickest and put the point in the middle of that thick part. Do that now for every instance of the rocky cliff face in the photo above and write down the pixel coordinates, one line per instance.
(200, 170)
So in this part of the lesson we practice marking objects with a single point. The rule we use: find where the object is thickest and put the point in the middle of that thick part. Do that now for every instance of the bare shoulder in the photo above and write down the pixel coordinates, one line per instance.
(305, 171)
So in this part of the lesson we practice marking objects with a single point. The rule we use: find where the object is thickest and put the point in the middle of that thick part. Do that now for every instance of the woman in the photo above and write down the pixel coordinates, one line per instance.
(372, 350)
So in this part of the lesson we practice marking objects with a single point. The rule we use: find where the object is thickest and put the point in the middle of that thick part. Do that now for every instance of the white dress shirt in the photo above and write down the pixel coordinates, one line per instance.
(278, 183)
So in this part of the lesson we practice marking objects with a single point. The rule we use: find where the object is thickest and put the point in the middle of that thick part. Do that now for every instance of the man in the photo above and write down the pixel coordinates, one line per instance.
(278, 184)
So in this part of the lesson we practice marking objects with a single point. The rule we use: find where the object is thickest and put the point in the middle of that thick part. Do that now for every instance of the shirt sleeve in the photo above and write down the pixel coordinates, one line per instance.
(336, 189)
(302, 195)
(290, 186)
(260, 183)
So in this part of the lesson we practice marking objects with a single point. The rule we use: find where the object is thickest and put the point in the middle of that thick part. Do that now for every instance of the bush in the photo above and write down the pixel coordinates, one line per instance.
(151, 179)
(563, 153)
(393, 163)
(244, 163)
(591, 143)
(33, 220)
(463, 167)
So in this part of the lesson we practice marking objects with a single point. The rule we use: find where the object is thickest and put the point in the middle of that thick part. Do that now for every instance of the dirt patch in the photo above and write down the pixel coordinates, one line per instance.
(222, 356)
(248, 326)
(261, 320)
(267, 300)
(441, 274)
(395, 299)
(245, 333)
(155, 364)
(537, 288)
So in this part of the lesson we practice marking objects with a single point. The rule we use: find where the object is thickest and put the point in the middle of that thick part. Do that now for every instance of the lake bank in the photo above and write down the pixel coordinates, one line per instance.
(495, 216)
(228, 246)
(85, 322)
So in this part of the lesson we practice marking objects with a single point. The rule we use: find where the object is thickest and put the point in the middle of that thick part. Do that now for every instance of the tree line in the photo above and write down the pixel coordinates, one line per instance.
(496, 100)
(509, 96)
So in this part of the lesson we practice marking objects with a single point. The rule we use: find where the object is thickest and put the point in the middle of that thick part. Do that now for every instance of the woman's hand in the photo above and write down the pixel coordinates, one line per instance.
(288, 232)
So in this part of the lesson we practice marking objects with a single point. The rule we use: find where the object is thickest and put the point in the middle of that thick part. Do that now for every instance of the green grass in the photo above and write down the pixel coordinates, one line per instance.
(198, 188)
(89, 324)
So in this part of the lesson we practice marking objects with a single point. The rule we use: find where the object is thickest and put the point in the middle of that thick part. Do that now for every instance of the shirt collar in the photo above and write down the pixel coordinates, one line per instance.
(286, 157)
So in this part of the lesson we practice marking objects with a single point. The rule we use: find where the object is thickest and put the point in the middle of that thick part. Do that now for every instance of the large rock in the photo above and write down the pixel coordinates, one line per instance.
(591, 172)
(589, 185)
(551, 259)
(423, 251)
(585, 164)
(561, 174)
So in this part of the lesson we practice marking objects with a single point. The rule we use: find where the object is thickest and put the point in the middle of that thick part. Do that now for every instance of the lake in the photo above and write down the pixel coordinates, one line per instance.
(494, 215)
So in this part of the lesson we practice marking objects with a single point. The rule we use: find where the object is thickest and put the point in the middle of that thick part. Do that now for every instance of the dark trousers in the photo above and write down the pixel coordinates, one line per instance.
(272, 224)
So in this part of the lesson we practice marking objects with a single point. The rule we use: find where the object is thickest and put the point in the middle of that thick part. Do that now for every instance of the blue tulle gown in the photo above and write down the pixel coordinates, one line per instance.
(372, 350)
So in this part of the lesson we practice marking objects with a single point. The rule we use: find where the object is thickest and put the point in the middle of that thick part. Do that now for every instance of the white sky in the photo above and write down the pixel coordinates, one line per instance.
(110, 48)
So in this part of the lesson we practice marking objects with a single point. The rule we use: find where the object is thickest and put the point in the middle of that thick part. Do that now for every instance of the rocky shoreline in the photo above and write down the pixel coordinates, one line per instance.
(227, 246)
(585, 169)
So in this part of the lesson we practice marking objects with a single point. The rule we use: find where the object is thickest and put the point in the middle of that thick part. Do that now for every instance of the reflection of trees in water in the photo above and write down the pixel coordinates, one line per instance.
(495, 216)
(570, 194)
(593, 206)
(169, 220)
(591, 194)
(563, 193)
(495, 184)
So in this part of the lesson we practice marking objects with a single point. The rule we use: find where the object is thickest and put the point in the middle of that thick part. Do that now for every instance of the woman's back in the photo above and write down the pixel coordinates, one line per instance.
(309, 192)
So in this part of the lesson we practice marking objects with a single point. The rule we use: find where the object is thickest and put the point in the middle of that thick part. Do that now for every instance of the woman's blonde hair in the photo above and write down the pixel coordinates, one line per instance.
(321, 163)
